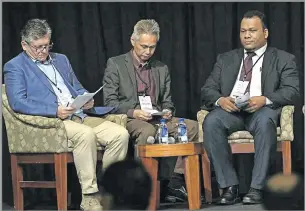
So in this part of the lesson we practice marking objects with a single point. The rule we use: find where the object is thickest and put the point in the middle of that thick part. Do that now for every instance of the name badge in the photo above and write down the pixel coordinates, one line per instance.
(240, 88)
(145, 103)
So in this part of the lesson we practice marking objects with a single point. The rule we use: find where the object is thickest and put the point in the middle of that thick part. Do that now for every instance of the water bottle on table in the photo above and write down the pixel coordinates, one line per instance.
(163, 132)
(182, 131)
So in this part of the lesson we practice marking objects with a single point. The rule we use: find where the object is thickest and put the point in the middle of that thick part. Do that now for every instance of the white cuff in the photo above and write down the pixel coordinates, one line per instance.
(216, 103)
(268, 102)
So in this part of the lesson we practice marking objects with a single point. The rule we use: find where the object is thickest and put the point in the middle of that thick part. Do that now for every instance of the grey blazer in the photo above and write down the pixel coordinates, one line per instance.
(280, 79)
(120, 88)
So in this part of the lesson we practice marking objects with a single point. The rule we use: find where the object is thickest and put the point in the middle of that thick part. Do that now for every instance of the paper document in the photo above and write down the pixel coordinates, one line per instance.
(154, 112)
(81, 100)
(242, 101)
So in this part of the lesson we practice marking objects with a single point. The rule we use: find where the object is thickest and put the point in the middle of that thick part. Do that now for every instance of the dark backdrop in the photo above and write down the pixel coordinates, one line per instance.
(192, 34)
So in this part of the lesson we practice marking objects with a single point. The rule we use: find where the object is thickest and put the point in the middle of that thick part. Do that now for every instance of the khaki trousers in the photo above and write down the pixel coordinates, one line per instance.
(84, 138)
(140, 130)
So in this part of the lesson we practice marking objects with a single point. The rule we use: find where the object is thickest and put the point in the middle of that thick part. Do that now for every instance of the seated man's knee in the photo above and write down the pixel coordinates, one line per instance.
(88, 136)
(265, 122)
(120, 136)
(123, 136)
(211, 121)
(192, 127)
(144, 132)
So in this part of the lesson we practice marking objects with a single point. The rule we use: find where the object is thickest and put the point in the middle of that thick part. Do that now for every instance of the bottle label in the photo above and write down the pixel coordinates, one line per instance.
(164, 135)
(182, 133)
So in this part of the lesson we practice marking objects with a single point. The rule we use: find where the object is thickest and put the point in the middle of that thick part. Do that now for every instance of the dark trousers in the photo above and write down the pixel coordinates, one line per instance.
(140, 130)
(219, 124)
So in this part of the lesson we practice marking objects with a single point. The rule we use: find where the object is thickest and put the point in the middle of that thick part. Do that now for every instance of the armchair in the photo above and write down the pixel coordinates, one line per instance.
(40, 140)
(242, 142)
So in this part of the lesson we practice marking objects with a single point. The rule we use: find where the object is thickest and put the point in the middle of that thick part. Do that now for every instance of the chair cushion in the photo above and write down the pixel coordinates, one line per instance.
(245, 136)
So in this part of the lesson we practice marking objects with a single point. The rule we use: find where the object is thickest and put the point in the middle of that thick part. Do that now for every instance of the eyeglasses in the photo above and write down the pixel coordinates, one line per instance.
(42, 47)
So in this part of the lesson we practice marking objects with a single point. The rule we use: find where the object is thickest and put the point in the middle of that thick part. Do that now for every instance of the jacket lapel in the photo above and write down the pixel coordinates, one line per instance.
(41, 76)
(59, 69)
(233, 73)
(268, 60)
(130, 69)
(156, 75)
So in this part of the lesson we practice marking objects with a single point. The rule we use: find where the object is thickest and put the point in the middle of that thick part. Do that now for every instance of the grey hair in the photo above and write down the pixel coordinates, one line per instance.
(147, 26)
(35, 29)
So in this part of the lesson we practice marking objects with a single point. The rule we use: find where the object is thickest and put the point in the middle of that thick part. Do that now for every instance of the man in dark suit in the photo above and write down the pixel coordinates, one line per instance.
(133, 75)
(270, 77)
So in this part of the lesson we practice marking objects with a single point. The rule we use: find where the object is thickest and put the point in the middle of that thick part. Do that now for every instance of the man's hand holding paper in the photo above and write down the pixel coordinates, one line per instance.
(242, 101)
(85, 99)
(89, 104)
(255, 103)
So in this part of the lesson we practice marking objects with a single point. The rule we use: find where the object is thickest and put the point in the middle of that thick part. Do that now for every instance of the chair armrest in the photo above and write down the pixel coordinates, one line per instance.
(34, 134)
(200, 118)
(120, 119)
(38, 121)
(286, 124)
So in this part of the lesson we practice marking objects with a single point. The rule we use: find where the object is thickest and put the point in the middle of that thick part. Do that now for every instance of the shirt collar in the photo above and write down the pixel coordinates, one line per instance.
(259, 51)
(47, 62)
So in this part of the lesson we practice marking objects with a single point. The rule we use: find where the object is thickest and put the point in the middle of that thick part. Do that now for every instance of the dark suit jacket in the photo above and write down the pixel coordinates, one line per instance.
(280, 79)
(120, 88)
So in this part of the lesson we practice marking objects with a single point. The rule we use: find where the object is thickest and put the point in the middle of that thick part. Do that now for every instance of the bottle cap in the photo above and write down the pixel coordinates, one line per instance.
(162, 120)
(181, 120)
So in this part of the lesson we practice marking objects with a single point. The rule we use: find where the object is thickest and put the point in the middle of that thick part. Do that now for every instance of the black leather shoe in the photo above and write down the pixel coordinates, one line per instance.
(179, 195)
(229, 196)
(254, 196)
(176, 195)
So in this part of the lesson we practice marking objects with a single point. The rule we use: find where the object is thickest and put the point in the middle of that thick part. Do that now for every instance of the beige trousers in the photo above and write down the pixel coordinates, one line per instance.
(84, 138)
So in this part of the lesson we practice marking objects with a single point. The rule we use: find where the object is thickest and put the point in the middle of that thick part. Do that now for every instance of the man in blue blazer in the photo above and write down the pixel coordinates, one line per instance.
(43, 84)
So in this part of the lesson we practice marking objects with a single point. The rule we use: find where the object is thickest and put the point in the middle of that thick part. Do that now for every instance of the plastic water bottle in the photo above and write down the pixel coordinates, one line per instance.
(163, 132)
(182, 131)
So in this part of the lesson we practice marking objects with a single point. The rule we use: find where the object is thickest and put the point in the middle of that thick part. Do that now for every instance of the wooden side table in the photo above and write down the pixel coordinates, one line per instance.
(190, 153)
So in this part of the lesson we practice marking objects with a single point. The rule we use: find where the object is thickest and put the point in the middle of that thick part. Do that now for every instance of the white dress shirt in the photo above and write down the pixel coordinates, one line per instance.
(255, 85)
(256, 80)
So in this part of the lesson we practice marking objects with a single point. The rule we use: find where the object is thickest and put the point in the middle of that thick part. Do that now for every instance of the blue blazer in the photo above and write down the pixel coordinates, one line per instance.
(28, 89)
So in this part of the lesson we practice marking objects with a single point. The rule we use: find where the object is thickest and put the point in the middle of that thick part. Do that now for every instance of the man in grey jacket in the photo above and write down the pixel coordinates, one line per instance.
(134, 76)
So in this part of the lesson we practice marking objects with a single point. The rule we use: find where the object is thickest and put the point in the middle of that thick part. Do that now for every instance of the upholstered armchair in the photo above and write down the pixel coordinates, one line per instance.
(242, 142)
(40, 140)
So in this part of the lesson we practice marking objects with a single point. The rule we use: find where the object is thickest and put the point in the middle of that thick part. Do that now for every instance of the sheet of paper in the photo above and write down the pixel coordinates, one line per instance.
(154, 112)
(242, 101)
(242, 98)
(81, 100)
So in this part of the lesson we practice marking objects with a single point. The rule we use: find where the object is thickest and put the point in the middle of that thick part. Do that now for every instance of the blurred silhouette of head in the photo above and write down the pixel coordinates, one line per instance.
(125, 185)
(284, 192)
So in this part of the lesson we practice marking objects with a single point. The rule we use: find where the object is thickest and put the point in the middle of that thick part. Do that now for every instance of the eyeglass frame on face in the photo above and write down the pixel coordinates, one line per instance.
(42, 47)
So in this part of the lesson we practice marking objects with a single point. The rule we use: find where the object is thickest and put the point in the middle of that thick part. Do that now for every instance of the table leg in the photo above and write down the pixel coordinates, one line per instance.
(206, 173)
(151, 165)
(192, 179)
